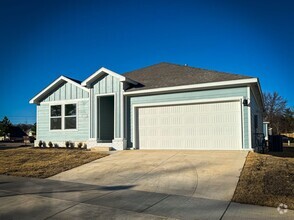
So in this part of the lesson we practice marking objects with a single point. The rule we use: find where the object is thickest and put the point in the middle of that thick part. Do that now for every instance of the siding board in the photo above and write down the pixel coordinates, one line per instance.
(66, 91)
(81, 134)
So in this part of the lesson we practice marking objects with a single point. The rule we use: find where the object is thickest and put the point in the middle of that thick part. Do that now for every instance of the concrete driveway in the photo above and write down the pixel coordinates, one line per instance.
(178, 184)
(136, 185)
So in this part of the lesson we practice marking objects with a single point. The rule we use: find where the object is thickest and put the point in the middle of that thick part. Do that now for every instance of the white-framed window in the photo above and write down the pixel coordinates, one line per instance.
(63, 116)
(70, 116)
(55, 117)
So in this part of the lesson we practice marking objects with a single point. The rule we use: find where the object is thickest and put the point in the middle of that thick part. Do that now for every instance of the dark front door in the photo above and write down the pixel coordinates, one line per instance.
(105, 107)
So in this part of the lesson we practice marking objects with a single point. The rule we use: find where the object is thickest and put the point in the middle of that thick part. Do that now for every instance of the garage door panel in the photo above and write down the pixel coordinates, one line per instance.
(191, 126)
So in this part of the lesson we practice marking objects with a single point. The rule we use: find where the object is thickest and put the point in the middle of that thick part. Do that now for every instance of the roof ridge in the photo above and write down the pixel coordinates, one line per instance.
(142, 68)
(187, 66)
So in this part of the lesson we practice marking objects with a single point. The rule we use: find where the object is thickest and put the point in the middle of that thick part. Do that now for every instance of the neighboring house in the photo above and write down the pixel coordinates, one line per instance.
(31, 133)
(163, 106)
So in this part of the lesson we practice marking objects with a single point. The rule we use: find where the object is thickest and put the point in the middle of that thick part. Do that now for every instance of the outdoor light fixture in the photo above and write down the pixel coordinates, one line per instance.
(245, 102)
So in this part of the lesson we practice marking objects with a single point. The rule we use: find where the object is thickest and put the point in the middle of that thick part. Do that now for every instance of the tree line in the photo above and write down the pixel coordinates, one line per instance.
(6, 125)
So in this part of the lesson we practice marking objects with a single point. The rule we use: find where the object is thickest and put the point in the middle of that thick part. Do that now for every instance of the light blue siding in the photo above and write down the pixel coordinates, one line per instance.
(108, 84)
(255, 110)
(80, 134)
(186, 96)
(246, 127)
(66, 91)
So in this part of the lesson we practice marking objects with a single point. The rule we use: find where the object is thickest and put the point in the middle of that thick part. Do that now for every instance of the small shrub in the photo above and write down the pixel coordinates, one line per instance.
(40, 143)
(67, 143)
(72, 145)
(50, 144)
(44, 144)
(80, 145)
(56, 145)
(85, 146)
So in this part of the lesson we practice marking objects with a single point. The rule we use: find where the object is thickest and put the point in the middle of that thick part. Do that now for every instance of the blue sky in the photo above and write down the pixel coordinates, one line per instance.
(41, 40)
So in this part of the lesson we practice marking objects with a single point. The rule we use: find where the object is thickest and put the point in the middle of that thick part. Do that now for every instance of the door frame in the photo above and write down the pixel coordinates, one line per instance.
(135, 107)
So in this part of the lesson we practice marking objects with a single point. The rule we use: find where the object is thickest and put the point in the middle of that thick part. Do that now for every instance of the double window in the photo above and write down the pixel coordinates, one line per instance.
(63, 117)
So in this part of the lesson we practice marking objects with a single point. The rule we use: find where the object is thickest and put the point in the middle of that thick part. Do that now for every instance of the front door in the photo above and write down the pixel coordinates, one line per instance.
(105, 116)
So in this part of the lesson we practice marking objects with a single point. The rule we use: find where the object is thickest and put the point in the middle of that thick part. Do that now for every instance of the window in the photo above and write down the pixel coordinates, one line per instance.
(70, 117)
(63, 117)
(55, 119)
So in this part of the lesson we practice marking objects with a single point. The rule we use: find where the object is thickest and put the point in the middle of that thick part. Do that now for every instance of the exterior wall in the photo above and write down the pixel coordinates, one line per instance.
(187, 96)
(67, 91)
(103, 86)
(81, 134)
(256, 109)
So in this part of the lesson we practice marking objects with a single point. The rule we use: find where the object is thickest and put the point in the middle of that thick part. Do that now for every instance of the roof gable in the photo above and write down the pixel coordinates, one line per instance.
(101, 72)
(167, 75)
(58, 82)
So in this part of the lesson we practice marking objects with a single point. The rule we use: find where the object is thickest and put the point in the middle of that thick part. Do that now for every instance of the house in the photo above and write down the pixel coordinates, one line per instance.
(163, 106)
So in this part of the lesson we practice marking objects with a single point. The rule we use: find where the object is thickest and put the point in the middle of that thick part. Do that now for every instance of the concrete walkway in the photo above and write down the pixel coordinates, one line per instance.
(136, 185)
(27, 198)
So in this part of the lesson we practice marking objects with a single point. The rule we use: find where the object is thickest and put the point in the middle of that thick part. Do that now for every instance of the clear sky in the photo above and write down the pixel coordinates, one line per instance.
(43, 39)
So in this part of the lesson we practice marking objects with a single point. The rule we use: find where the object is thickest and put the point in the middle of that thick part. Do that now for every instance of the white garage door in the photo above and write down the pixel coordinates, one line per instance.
(190, 126)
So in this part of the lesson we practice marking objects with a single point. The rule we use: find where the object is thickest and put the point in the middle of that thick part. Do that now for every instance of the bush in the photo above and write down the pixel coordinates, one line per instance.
(85, 146)
(40, 143)
(56, 145)
(72, 145)
(67, 143)
(80, 145)
(50, 144)
(44, 144)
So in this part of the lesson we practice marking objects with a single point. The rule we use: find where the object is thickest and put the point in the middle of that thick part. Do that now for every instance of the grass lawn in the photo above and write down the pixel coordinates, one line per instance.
(267, 179)
(42, 162)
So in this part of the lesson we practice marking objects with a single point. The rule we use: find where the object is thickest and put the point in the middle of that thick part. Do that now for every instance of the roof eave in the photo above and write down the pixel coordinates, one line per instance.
(195, 86)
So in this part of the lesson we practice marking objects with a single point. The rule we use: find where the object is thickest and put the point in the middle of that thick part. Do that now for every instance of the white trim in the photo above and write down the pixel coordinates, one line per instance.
(95, 110)
(63, 101)
(48, 88)
(198, 101)
(136, 106)
(195, 86)
(37, 122)
(242, 123)
(103, 71)
(63, 117)
(89, 112)
(126, 119)
(122, 121)
(249, 120)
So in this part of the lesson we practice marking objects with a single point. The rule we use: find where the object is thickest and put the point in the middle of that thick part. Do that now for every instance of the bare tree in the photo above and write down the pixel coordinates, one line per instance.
(275, 109)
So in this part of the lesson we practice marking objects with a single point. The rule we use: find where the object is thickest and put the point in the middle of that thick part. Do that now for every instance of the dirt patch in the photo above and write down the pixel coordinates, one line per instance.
(43, 163)
(267, 179)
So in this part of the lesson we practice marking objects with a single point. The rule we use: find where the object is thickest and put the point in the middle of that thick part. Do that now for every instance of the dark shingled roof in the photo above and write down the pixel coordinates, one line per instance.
(75, 80)
(168, 74)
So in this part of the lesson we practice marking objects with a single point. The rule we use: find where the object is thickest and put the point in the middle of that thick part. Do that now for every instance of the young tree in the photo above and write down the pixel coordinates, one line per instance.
(5, 126)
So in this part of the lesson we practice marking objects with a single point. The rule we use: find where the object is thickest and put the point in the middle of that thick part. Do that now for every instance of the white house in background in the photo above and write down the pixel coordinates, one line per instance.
(163, 106)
